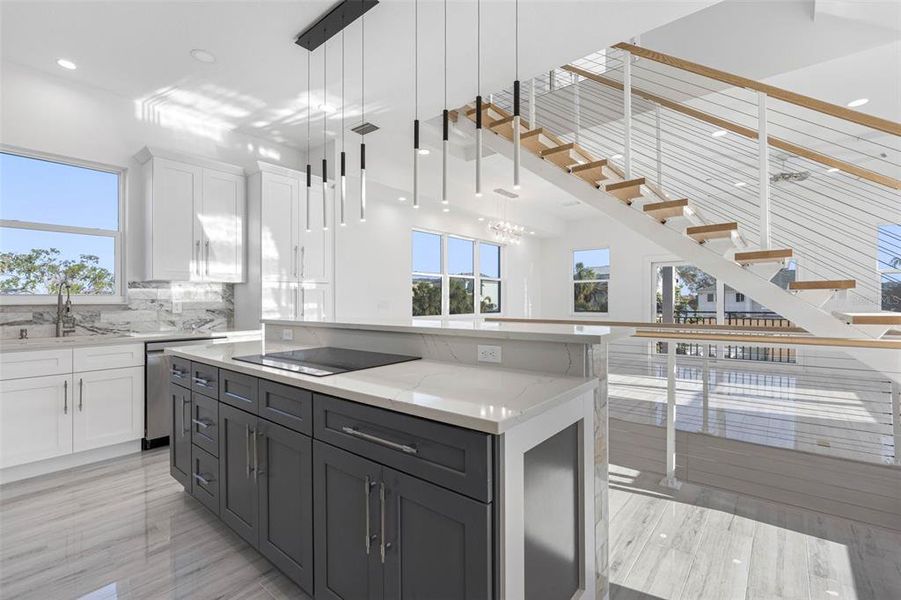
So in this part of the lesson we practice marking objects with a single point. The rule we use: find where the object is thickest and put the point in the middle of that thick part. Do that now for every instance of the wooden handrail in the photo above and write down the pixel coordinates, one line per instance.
(742, 130)
(646, 324)
(741, 335)
(827, 108)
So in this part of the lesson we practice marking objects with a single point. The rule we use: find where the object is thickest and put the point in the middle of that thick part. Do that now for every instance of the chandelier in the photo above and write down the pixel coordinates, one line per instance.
(506, 232)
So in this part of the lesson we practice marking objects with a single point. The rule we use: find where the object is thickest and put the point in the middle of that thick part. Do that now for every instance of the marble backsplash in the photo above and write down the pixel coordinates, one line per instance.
(151, 306)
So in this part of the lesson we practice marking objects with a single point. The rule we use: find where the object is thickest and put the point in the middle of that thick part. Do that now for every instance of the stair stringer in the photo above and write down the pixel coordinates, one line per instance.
(816, 321)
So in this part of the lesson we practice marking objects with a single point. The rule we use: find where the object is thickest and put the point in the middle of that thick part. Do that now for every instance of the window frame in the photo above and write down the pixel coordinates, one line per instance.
(119, 245)
(573, 281)
(445, 276)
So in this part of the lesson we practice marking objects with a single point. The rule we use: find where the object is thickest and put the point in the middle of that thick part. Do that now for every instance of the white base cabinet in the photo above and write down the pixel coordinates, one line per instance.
(35, 419)
(109, 408)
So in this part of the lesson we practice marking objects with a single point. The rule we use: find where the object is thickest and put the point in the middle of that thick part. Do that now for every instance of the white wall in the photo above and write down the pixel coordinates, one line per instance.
(631, 277)
(50, 114)
(373, 259)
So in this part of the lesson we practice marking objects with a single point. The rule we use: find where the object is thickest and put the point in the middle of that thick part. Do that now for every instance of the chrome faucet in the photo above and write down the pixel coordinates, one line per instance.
(63, 310)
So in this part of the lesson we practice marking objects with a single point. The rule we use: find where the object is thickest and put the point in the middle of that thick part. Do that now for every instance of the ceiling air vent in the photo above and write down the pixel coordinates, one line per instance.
(505, 193)
(365, 128)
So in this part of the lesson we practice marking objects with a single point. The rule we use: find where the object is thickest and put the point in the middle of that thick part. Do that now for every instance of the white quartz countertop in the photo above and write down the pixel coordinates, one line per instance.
(486, 399)
(79, 341)
(550, 332)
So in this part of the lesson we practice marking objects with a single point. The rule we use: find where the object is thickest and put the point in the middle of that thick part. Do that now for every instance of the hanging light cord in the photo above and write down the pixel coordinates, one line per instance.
(416, 58)
(342, 89)
(478, 47)
(309, 55)
(516, 36)
(324, 96)
(445, 54)
(363, 72)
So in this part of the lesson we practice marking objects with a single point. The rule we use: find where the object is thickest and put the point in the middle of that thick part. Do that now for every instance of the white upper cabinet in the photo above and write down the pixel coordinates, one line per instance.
(279, 241)
(194, 217)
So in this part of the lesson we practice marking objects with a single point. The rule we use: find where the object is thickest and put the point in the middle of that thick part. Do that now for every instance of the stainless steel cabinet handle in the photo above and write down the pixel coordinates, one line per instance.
(247, 449)
(202, 381)
(205, 423)
(256, 455)
(367, 485)
(382, 544)
(406, 448)
(178, 373)
(303, 259)
(207, 260)
(80, 395)
(295, 261)
(202, 479)
(197, 257)
(66, 397)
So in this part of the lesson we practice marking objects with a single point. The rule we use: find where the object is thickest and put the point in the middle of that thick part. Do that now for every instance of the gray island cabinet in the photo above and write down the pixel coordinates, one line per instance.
(425, 479)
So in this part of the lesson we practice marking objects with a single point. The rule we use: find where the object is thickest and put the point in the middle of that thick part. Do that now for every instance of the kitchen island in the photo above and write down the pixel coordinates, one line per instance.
(442, 477)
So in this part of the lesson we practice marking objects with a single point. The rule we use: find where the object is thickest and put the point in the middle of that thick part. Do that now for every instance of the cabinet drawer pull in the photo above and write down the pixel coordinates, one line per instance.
(186, 424)
(66, 397)
(202, 479)
(202, 382)
(382, 545)
(256, 455)
(197, 255)
(405, 448)
(367, 540)
(247, 449)
(205, 423)
(81, 395)
(178, 373)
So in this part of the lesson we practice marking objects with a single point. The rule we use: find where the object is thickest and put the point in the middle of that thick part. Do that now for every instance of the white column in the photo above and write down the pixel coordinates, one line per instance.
(627, 114)
(705, 387)
(763, 154)
(720, 313)
(670, 479)
(577, 108)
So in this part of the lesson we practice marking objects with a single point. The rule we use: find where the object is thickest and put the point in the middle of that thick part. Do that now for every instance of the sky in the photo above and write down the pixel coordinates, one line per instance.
(46, 192)
(427, 255)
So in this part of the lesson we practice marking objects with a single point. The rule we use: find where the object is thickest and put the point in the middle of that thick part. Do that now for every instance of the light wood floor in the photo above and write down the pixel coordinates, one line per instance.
(124, 529)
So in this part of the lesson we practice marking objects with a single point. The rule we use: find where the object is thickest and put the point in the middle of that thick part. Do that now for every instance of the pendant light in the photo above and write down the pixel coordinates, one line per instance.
(415, 103)
(516, 119)
(445, 125)
(363, 118)
(343, 189)
(309, 168)
(324, 131)
(478, 98)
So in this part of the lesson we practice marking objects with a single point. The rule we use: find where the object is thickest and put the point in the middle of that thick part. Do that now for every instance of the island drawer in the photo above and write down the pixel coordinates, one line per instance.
(205, 478)
(205, 379)
(238, 390)
(452, 457)
(205, 423)
(180, 371)
(286, 405)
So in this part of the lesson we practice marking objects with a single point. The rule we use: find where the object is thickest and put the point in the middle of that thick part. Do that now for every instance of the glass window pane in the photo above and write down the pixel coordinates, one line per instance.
(459, 256)
(590, 297)
(490, 259)
(462, 296)
(490, 296)
(891, 292)
(591, 264)
(31, 262)
(48, 192)
(888, 244)
(426, 296)
(426, 252)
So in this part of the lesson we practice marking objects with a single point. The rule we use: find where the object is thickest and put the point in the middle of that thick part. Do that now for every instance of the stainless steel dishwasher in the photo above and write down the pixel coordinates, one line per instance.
(156, 393)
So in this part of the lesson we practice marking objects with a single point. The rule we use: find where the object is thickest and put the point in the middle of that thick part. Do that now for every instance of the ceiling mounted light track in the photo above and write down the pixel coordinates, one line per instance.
(333, 23)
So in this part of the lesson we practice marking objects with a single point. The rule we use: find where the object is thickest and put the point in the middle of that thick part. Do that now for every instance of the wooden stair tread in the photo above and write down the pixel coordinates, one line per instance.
(556, 149)
(666, 209)
(531, 132)
(485, 107)
(759, 256)
(619, 185)
(561, 155)
(592, 172)
(499, 122)
(627, 190)
(702, 233)
(825, 284)
(870, 318)
(589, 165)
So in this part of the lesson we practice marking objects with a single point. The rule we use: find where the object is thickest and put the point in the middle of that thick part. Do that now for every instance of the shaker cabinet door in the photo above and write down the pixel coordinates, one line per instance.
(176, 190)
(220, 221)
(238, 457)
(35, 419)
(109, 407)
(280, 213)
(180, 438)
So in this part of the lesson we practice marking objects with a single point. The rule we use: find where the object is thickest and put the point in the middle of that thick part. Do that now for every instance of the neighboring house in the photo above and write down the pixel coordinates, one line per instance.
(735, 301)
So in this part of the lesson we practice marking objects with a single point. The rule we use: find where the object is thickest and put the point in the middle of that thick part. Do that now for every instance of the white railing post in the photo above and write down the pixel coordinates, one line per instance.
(896, 420)
(705, 388)
(627, 114)
(577, 108)
(763, 154)
(670, 480)
(659, 147)
(532, 123)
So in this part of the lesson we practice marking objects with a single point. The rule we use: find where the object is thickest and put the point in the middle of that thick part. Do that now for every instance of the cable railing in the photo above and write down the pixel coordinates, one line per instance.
(830, 177)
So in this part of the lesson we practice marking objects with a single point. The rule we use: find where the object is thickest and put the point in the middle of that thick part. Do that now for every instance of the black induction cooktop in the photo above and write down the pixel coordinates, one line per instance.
(320, 362)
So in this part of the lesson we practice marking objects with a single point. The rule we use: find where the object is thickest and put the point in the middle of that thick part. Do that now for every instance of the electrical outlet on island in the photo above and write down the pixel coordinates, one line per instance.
(491, 354)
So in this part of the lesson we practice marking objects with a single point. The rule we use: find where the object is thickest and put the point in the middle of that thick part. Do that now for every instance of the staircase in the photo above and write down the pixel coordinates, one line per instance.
(716, 247)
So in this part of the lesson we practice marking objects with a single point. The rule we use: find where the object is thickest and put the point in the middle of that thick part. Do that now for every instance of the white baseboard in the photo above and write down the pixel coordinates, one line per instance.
(69, 461)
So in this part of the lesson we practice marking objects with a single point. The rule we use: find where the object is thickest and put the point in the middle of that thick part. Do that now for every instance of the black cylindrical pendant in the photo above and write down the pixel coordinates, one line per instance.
(309, 175)
(478, 112)
(516, 98)
(362, 156)
(324, 170)
(416, 134)
(445, 119)
(342, 164)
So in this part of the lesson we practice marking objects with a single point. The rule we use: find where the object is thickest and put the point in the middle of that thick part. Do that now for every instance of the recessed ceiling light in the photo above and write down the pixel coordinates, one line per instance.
(203, 56)
(858, 102)
(481, 219)
(66, 64)
(531, 233)
(401, 199)
(740, 184)
(327, 108)
(445, 209)
(423, 151)
(719, 133)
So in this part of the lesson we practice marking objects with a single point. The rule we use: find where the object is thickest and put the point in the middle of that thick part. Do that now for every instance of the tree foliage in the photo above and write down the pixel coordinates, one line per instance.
(589, 296)
(426, 297)
(40, 271)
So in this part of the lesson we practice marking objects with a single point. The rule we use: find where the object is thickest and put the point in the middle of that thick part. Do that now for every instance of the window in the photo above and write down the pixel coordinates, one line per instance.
(59, 220)
(739, 297)
(446, 280)
(591, 277)
(710, 297)
(888, 262)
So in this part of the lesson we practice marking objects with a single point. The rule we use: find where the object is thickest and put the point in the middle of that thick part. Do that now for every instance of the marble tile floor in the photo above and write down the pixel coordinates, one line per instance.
(124, 529)
(705, 544)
